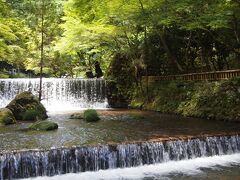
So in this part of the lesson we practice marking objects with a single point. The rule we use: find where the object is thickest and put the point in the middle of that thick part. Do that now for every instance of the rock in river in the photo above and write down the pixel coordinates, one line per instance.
(26, 106)
(6, 116)
(43, 126)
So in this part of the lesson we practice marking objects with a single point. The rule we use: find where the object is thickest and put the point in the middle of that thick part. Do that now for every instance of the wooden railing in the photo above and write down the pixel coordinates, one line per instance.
(217, 75)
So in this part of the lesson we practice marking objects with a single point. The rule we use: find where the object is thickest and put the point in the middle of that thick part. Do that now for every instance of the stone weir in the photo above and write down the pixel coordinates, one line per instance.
(33, 163)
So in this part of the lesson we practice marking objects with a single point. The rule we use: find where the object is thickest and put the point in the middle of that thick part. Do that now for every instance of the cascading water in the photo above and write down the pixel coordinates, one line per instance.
(34, 163)
(58, 94)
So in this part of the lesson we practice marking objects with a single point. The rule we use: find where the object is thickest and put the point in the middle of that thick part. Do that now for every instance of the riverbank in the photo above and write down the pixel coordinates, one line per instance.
(218, 100)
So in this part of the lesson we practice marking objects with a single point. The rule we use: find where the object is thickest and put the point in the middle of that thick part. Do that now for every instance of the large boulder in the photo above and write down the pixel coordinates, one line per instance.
(43, 126)
(90, 115)
(6, 116)
(26, 106)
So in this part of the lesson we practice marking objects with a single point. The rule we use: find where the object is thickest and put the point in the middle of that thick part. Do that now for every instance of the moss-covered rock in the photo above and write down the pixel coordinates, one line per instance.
(90, 115)
(31, 114)
(6, 117)
(77, 116)
(43, 126)
(26, 106)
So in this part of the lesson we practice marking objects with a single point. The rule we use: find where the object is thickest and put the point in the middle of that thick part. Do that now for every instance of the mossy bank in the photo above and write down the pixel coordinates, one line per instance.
(205, 99)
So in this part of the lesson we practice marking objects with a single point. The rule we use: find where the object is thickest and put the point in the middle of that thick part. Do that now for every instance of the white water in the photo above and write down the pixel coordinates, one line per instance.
(83, 159)
(187, 167)
(58, 94)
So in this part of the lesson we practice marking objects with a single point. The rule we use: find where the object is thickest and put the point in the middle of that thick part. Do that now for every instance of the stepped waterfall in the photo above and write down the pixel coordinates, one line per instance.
(58, 93)
(33, 163)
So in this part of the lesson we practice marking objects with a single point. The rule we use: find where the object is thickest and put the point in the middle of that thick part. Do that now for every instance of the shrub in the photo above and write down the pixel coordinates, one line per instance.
(90, 115)
(204, 99)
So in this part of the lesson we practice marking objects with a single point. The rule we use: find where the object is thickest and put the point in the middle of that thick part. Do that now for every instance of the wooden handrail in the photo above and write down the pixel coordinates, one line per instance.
(216, 75)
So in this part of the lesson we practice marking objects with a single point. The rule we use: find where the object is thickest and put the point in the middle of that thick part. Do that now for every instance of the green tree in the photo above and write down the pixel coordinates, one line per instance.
(12, 36)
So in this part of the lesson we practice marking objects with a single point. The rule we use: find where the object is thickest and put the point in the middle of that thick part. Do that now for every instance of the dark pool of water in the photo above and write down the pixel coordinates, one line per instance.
(114, 126)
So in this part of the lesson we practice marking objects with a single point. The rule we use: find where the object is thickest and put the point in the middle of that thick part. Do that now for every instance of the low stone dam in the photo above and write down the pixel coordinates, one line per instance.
(58, 93)
(33, 163)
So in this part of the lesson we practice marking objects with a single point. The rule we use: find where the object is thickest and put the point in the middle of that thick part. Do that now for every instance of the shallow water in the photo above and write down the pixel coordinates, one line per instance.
(216, 167)
(115, 126)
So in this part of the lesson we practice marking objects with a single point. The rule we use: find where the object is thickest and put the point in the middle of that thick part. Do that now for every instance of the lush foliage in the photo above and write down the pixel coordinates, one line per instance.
(213, 100)
(151, 37)
(12, 35)
(154, 36)
(20, 34)
(170, 35)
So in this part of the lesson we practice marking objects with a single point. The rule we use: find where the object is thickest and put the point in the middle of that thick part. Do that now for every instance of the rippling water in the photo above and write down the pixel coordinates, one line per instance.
(115, 126)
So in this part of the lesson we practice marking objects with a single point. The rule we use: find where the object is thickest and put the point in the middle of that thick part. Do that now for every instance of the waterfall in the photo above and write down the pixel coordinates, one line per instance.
(58, 94)
(33, 163)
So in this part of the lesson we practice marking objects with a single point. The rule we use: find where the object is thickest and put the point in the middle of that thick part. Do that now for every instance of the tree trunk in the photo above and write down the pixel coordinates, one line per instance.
(41, 61)
(146, 54)
(170, 56)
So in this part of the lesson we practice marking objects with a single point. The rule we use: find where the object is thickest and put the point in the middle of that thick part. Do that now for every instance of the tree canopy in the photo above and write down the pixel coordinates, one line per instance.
(154, 37)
